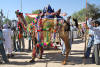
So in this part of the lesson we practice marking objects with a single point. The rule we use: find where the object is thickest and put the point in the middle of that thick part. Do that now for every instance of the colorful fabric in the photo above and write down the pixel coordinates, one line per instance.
(21, 29)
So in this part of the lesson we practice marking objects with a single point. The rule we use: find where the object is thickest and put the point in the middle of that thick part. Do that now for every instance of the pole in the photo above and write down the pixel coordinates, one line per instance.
(86, 27)
(21, 5)
(85, 35)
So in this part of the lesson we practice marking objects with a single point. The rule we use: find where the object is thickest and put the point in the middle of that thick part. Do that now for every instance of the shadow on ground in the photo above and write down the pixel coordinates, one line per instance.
(77, 52)
(21, 57)
(77, 41)
(58, 58)
(54, 57)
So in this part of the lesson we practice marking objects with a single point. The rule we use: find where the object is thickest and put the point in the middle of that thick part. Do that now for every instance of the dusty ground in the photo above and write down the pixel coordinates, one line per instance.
(52, 58)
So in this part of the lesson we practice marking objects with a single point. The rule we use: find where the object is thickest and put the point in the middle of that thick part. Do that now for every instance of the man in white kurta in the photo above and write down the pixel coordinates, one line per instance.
(7, 36)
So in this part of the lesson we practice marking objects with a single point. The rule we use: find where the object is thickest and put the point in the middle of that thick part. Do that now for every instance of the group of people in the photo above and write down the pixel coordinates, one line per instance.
(8, 42)
(93, 40)
(93, 28)
(13, 39)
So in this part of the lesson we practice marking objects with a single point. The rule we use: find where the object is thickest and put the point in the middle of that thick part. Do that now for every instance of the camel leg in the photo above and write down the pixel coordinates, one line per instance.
(33, 52)
(33, 55)
(67, 45)
(67, 53)
(40, 52)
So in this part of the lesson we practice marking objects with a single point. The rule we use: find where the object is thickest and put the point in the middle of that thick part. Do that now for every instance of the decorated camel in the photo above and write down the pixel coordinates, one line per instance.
(21, 26)
(45, 27)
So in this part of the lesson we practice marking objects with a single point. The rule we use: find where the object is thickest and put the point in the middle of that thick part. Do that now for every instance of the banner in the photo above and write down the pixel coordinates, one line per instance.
(31, 15)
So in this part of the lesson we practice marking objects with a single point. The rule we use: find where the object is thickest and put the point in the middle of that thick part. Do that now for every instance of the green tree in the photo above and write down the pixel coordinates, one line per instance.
(7, 21)
(91, 11)
(80, 15)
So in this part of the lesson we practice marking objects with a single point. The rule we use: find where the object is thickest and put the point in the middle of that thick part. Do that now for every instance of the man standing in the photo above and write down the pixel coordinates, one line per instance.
(2, 51)
(14, 38)
(8, 42)
(30, 35)
(90, 42)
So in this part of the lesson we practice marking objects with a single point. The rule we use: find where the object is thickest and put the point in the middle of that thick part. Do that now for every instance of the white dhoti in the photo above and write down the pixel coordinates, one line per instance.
(8, 42)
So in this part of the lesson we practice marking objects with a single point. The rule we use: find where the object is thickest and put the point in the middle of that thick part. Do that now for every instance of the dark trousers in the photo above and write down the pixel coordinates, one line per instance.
(2, 51)
(30, 43)
(90, 44)
(21, 43)
(14, 43)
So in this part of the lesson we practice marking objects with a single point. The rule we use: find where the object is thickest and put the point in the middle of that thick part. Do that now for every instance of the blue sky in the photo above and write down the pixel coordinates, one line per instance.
(69, 6)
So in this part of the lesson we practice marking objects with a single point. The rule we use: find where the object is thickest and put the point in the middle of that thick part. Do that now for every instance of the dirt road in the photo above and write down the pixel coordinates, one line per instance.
(51, 58)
